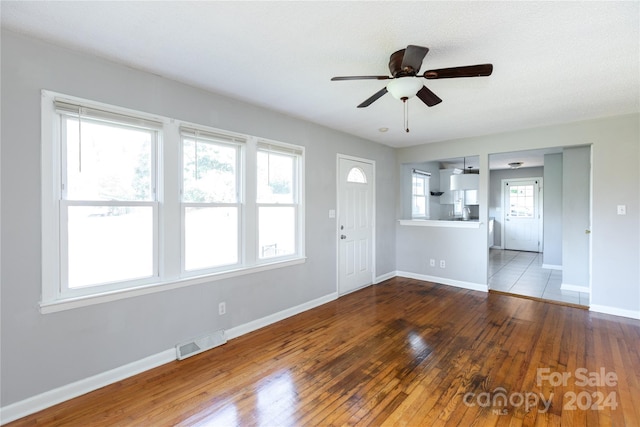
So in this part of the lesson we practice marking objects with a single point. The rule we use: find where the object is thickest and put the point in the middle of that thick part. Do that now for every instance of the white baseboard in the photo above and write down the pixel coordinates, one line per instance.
(49, 398)
(576, 288)
(276, 317)
(633, 314)
(58, 395)
(552, 266)
(384, 277)
(444, 281)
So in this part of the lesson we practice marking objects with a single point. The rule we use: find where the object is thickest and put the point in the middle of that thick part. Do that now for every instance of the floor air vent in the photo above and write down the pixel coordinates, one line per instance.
(201, 344)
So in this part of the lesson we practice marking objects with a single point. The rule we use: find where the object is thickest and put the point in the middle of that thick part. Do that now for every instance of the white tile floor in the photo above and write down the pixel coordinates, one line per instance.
(521, 273)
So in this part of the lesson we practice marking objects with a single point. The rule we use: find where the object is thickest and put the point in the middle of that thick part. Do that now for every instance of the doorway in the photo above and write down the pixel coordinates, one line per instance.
(356, 223)
(558, 267)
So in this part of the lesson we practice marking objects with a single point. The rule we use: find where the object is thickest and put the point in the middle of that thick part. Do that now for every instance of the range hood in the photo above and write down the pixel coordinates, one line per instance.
(464, 181)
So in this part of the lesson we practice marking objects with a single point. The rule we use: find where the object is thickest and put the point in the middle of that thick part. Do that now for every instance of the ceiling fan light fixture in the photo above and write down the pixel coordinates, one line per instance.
(404, 87)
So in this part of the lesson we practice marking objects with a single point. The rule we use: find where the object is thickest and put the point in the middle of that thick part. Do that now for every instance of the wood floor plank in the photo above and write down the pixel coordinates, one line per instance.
(401, 353)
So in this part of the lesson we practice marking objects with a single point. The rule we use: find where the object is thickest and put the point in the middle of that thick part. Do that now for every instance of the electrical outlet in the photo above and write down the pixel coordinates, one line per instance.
(442, 264)
(222, 308)
(432, 262)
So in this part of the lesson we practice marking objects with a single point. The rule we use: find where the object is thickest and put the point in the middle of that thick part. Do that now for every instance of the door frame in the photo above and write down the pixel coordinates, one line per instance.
(540, 210)
(340, 157)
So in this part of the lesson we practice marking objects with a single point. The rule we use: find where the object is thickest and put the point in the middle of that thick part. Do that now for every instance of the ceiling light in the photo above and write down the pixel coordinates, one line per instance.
(515, 165)
(383, 130)
(404, 88)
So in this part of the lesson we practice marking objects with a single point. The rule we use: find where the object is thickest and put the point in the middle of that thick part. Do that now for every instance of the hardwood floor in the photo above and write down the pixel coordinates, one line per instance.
(403, 352)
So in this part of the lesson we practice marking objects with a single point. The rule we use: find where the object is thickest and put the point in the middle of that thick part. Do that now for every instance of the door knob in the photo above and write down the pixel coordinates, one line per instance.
(587, 231)
(342, 236)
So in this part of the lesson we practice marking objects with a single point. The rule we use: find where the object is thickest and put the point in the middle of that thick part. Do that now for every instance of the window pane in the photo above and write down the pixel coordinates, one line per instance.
(211, 237)
(109, 244)
(419, 207)
(357, 175)
(276, 231)
(108, 162)
(209, 172)
(276, 177)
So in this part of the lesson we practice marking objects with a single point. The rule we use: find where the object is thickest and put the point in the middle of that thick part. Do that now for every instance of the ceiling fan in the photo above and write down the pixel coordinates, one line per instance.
(405, 83)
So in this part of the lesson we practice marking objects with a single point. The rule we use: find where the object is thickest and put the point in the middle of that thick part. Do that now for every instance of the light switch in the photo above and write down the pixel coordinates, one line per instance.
(622, 209)
(332, 213)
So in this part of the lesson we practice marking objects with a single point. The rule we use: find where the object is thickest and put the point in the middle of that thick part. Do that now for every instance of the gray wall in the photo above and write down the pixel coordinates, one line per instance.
(575, 214)
(616, 180)
(43, 352)
(552, 229)
(495, 194)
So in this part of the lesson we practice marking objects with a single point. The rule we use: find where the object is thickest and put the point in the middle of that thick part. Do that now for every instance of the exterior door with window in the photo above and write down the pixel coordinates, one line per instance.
(521, 214)
(355, 224)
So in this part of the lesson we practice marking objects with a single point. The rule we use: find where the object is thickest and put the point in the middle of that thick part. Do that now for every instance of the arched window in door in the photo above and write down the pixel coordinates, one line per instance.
(357, 175)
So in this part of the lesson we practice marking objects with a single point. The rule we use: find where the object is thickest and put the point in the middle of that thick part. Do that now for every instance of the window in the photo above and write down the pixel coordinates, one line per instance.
(521, 201)
(356, 175)
(108, 206)
(278, 201)
(210, 200)
(420, 194)
(134, 203)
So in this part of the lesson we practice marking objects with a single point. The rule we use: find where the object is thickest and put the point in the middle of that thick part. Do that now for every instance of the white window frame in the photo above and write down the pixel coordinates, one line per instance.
(298, 198)
(426, 177)
(168, 217)
(208, 136)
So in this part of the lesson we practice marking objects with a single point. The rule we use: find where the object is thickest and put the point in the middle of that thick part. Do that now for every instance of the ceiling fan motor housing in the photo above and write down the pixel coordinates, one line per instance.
(395, 65)
(395, 62)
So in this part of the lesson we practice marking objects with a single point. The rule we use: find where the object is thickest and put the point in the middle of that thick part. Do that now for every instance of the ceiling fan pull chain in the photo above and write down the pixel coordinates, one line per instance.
(406, 115)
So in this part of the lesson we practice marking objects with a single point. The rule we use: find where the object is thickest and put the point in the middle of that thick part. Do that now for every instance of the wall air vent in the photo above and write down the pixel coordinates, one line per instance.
(198, 345)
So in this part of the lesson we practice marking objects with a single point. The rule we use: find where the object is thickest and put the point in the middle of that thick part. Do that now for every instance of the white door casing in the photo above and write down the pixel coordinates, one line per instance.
(356, 183)
(522, 214)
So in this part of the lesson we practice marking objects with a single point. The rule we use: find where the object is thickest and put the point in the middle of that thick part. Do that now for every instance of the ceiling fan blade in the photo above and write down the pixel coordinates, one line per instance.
(335, 79)
(373, 97)
(428, 97)
(413, 56)
(480, 70)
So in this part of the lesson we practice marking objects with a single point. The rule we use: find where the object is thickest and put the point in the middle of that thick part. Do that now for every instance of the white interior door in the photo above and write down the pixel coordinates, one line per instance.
(521, 200)
(355, 224)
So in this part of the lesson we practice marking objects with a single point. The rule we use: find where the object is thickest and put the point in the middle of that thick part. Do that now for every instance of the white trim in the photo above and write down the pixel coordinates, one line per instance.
(440, 223)
(52, 397)
(552, 266)
(384, 277)
(70, 303)
(254, 325)
(576, 288)
(444, 281)
(633, 314)
(49, 398)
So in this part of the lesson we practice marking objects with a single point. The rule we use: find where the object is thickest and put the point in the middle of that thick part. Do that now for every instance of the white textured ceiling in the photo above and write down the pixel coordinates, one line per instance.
(553, 61)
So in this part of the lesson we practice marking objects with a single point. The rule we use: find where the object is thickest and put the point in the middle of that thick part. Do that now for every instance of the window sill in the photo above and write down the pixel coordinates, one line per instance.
(54, 306)
(441, 223)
